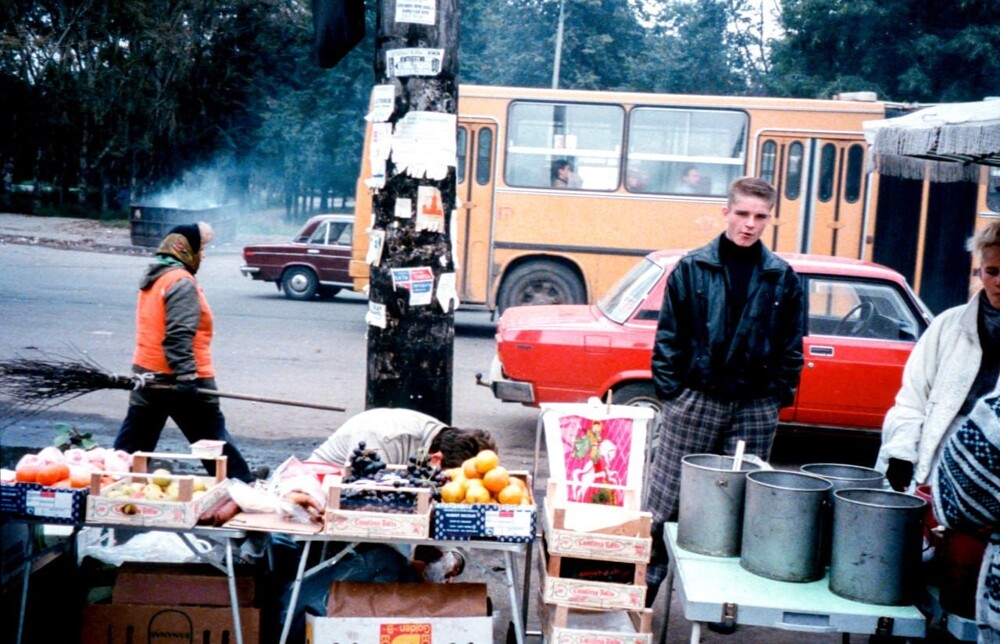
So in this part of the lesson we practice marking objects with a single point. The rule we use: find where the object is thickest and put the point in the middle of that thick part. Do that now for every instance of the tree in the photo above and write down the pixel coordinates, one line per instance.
(906, 50)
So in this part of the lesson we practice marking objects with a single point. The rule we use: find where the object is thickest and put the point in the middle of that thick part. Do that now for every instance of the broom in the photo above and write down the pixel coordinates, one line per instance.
(37, 384)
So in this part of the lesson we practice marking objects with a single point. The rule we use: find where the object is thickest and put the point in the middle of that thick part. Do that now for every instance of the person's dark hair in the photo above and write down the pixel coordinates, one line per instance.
(558, 165)
(752, 187)
(459, 445)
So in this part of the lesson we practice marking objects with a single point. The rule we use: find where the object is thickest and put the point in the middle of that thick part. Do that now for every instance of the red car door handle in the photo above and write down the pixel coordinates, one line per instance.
(826, 352)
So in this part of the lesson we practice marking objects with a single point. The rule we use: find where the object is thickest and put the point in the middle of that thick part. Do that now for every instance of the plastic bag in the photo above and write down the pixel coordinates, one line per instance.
(149, 547)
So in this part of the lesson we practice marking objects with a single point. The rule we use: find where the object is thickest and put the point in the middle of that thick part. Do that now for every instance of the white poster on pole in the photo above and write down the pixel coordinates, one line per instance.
(421, 12)
(383, 103)
(404, 208)
(424, 144)
(414, 61)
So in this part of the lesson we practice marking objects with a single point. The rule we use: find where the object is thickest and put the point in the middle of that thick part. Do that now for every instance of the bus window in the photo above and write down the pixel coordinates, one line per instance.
(463, 136)
(793, 174)
(993, 190)
(589, 137)
(687, 151)
(484, 157)
(827, 165)
(855, 172)
(768, 159)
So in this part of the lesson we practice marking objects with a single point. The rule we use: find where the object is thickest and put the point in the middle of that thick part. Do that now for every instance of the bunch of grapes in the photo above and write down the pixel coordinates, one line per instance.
(368, 469)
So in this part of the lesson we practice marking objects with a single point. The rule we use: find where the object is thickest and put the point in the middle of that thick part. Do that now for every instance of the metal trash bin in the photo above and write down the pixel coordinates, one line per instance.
(150, 223)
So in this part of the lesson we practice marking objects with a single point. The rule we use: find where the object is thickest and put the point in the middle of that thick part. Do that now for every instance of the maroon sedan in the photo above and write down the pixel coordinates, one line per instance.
(863, 321)
(314, 263)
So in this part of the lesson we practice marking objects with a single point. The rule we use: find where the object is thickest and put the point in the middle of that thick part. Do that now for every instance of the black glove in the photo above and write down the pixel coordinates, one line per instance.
(899, 473)
(187, 389)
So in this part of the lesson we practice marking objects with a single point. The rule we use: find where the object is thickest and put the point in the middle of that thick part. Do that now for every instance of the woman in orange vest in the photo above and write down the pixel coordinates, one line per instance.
(173, 338)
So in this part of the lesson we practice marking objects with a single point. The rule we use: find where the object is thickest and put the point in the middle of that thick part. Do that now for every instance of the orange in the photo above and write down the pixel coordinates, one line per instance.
(470, 469)
(486, 460)
(519, 482)
(50, 474)
(477, 494)
(496, 479)
(27, 473)
(452, 492)
(510, 495)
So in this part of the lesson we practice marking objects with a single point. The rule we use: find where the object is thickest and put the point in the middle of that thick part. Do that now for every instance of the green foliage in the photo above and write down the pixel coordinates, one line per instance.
(68, 437)
(906, 50)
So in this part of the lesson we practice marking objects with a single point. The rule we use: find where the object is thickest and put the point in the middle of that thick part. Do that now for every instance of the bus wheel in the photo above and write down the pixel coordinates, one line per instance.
(540, 283)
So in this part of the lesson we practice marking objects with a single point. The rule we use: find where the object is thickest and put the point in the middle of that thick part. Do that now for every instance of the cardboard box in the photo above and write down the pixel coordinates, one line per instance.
(394, 613)
(589, 593)
(50, 504)
(392, 521)
(492, 521)
(154, 604)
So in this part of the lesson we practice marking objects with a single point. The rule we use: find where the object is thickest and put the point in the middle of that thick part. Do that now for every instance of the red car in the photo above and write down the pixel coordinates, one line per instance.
(314, 262)
(863, 321)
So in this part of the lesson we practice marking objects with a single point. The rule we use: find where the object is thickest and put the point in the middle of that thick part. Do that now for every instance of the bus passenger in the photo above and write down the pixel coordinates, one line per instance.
(690, 182)
(564, 176)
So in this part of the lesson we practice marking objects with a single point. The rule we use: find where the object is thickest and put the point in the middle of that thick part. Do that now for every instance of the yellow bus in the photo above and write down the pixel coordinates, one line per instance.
(562, 191)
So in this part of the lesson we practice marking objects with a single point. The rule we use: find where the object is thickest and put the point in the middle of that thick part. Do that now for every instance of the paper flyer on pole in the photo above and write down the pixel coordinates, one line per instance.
(403, 208)
(419, 280)
(376, 241)
(447, 297)
(376, 314)
(414, 61)
(383, 103)
(421, 12)
(424, 144)
(430, 213)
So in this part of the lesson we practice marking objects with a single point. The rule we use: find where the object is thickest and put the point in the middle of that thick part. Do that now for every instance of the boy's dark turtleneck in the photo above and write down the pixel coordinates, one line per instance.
(740, 263)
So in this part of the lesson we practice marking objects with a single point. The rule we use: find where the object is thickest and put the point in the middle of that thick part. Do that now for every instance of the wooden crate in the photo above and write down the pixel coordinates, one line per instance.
(340, 521)
(559, 589)
(182, 513)
(566, 625)
(588, 531)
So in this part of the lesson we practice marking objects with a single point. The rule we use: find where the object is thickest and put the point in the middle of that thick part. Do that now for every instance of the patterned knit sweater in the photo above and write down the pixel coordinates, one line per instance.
(966, 493)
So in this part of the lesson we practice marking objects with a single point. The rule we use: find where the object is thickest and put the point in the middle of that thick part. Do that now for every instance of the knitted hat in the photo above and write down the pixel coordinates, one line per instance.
(192, 233)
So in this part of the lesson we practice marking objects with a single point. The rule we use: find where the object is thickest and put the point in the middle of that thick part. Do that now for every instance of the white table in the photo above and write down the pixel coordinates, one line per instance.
(718, 589)
(509, 551)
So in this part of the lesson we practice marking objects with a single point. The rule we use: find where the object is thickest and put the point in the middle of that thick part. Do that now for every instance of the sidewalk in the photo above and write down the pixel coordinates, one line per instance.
(110, 236)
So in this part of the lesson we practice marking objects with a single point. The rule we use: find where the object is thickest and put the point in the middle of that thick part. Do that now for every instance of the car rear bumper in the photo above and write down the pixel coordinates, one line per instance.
(250, 271)
(506, 389)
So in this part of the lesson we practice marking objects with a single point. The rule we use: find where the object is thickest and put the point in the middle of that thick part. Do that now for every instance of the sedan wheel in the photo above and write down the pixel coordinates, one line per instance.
(299, 284)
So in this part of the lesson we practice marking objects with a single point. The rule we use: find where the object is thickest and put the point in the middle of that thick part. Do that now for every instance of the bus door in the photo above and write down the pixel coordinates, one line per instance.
(821, 184)
(474, 227)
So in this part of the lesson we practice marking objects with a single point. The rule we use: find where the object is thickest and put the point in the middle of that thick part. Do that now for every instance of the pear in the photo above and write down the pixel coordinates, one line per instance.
(153, 492)
(172, 491)
(161, 477)
(199, 484)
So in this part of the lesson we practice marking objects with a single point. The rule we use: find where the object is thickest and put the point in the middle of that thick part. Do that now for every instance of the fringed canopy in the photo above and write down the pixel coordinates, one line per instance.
(947, 142)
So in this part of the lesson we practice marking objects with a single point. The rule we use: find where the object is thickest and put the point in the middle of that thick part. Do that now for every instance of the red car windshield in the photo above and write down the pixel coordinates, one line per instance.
(622, 299)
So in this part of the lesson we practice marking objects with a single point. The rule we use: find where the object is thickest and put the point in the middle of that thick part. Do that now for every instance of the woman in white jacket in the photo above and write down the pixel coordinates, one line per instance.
(956, 362)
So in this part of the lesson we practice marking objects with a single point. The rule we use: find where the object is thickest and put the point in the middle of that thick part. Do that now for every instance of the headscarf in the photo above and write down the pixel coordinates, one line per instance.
(184, 244)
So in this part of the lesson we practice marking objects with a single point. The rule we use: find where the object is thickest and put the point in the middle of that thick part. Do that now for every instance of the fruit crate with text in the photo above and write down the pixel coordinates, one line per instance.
(566, 625)
(594, 555)
(157, 499)
(366, 508)
(63, 505)
(488, 521)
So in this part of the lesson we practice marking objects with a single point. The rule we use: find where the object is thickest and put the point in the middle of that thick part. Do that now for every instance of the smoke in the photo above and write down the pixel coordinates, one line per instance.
(197, 189)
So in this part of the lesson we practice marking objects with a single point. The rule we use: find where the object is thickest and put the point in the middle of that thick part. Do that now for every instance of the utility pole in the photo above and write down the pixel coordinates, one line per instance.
(411, 298)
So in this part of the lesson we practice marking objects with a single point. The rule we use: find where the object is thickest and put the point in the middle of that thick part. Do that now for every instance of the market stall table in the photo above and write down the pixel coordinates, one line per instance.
(718, 589)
